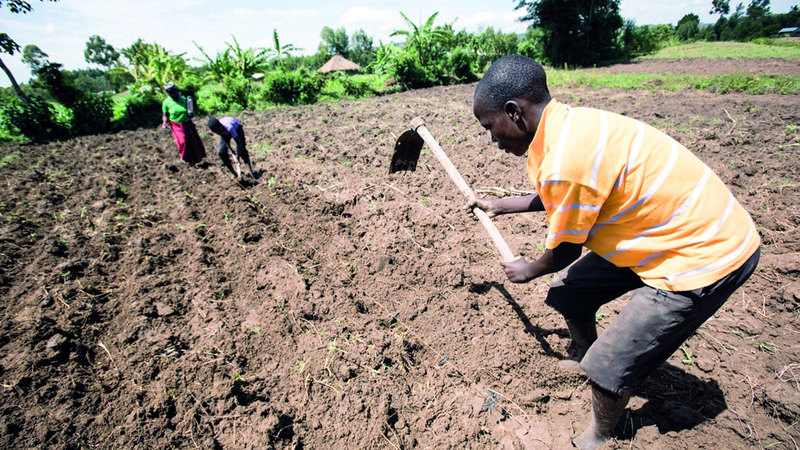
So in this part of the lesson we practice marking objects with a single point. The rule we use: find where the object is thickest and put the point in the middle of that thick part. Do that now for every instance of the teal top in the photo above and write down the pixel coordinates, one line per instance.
(176, 110)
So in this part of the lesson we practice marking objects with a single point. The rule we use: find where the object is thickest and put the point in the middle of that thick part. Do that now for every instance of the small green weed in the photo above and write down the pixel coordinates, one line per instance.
(262, 149)
(768, 347)
(600, 316)
(687, 355)
(8, 159)
(332, 347)
(300, 366)
(738, 332)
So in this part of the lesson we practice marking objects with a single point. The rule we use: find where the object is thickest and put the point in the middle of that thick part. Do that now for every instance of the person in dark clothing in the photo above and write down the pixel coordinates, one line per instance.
(229, 128)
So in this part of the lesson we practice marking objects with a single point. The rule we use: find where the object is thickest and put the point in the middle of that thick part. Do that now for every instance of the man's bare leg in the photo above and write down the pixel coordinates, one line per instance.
(583, 334)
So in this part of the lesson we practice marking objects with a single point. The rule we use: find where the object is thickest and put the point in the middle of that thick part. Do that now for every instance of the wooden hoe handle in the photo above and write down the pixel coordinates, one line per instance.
(418, 125)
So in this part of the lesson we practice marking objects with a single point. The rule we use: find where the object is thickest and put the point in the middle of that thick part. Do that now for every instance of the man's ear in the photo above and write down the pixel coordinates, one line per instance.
(514, 111)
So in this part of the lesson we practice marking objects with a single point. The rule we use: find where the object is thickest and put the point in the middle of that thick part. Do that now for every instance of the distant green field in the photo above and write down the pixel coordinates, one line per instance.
(732, 82)
(779, 49)
(751, 84)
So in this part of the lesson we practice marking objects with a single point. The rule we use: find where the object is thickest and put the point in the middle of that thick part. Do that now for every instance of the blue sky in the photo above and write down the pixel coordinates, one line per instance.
(61, 29)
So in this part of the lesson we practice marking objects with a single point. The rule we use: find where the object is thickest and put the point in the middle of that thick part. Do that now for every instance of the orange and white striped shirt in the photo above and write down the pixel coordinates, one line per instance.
(636, 197)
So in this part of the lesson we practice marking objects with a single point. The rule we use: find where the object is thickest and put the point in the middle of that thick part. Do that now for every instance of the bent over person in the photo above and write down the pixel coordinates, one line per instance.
(229, 128)
(655, 219)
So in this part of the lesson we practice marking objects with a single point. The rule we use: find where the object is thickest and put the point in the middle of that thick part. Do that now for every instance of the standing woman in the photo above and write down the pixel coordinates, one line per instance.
(190, 147)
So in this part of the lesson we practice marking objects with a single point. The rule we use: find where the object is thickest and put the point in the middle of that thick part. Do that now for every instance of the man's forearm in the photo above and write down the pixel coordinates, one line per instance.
(555, 260)
(525, 203)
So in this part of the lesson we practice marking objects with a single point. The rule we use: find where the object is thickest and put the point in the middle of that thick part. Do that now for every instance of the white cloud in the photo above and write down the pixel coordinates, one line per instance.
(502, 21)
(361, 15)
(377, 23)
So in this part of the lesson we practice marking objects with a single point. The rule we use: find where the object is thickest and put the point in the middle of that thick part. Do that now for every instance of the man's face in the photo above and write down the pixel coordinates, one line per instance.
(510, 135)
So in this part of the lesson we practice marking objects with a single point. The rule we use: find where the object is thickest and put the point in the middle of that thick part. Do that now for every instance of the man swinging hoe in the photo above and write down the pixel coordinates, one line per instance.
(656, 220)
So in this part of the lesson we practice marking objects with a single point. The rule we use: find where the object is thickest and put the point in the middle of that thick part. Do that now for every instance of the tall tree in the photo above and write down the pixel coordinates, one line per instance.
(334, 42)
(579, 32)
(758, 9)
(100, 53)
(8, 45)
(361, 51)
(34, 57)
(688, 27)
(720, 7)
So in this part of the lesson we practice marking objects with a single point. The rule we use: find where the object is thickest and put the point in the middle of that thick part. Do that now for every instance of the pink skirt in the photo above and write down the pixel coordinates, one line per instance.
(190, 146)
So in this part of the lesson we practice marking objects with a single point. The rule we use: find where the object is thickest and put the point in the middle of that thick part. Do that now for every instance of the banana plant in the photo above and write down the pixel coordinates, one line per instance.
(281, 51)
(248, 61)
(220, 67)
(152, 65)
(385, 55)
(424, 38)
(235, 62)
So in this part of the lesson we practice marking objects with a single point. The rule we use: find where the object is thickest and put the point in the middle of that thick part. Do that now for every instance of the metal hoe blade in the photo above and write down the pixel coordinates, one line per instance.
(406, 152)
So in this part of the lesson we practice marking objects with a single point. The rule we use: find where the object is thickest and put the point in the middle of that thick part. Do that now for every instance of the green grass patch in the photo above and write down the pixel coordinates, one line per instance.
(770, 48)
(7, 137)
(339, 86)
(751, 84)
(781, 42)
(8, 159)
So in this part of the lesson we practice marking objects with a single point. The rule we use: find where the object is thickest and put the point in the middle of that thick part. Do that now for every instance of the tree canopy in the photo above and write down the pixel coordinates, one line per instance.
(688, 27)
(577, 33)
(100, 53)
(34, 57)
(334, 42)
(720, 7)
(8, 45)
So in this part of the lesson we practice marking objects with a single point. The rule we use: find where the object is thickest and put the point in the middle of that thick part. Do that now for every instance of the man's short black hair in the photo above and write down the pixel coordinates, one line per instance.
(512, 77)
(213, 123)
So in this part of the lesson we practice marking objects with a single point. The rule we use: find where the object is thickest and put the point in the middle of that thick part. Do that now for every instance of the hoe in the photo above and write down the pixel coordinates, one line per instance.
(405, 157)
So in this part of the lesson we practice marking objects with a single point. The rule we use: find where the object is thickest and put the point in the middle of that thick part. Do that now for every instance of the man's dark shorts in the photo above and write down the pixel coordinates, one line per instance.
(649, 329)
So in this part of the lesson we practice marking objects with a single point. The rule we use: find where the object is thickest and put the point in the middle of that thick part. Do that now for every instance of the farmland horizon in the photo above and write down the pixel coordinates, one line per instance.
(61, 29)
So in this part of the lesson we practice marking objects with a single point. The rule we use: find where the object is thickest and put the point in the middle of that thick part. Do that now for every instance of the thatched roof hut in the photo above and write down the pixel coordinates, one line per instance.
(339, 62)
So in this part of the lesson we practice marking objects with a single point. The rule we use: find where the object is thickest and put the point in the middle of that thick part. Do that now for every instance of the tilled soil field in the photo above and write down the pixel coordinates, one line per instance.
(150, 304)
